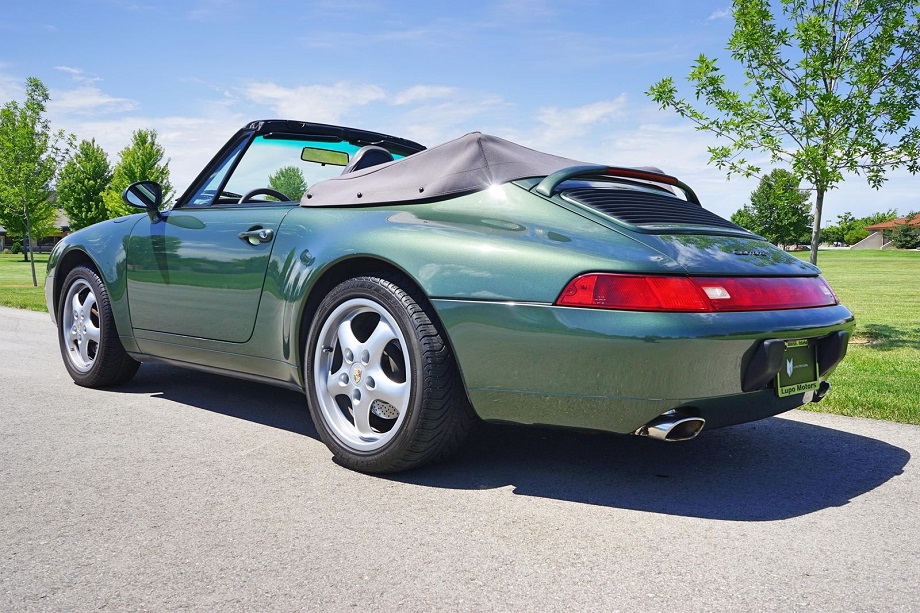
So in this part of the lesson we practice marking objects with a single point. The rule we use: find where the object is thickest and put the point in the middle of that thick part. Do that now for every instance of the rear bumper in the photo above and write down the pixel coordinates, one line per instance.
(615, 370)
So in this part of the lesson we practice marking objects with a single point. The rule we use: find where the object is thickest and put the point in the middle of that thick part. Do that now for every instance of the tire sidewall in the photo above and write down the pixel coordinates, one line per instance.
(88, 377)
(387, 294)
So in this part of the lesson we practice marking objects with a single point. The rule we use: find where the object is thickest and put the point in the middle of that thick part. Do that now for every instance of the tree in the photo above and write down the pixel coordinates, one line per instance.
(80, 186)
(778, 211)
(289, 181)
(907, 236)
(833, 86)
(142, 160)
(744, 217)
(30, 155)
(837, 232)
(851, 230)
(879, 217)
(854, 235)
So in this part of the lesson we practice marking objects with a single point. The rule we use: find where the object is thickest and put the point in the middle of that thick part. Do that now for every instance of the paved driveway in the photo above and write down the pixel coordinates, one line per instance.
(191, 491)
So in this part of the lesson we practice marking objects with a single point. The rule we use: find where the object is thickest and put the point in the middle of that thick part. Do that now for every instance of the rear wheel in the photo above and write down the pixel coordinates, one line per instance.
(92, 351)
(383, 388)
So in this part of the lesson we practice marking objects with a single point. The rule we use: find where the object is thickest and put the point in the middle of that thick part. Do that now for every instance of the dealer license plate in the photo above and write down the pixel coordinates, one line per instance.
(799, 372)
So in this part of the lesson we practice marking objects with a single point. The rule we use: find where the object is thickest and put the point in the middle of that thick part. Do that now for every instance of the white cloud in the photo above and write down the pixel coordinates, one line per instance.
(418, 93)
(466, 111)
(318, 103)
(720, 14)
(10, 88)
(560, 124)
(78, 74)
(89, 100)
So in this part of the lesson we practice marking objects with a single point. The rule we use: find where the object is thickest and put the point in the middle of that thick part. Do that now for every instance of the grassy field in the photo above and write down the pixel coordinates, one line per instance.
(16, 282)
(879, 378)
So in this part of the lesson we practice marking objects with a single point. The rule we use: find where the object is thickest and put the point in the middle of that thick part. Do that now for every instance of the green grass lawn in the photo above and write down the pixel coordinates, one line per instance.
(879, 378)
(16, 288)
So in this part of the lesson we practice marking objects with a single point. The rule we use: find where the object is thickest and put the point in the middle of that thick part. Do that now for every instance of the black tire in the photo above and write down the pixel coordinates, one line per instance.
(400, 377)
(92, 351)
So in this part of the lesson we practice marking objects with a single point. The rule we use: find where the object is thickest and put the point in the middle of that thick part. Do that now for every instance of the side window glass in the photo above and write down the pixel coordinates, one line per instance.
(205, 196)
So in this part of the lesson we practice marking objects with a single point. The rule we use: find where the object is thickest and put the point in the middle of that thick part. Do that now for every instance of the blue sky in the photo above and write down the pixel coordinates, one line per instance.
(564, 77)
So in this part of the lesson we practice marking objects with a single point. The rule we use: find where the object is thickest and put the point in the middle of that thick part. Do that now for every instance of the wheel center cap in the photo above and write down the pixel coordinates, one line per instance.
(356, 375)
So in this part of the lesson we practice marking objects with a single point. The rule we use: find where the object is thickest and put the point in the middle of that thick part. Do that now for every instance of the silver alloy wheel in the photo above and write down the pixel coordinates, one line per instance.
(80, 326)
(361, 374)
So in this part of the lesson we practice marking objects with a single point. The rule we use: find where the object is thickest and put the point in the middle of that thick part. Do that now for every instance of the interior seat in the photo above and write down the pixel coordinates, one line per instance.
(367, 156)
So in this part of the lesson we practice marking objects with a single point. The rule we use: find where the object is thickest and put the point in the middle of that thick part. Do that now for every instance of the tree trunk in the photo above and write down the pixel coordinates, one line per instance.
(31, 255)
(816, 226)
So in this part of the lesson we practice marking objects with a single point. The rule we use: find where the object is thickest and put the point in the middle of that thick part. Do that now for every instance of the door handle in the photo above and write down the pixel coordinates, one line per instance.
(254, 237)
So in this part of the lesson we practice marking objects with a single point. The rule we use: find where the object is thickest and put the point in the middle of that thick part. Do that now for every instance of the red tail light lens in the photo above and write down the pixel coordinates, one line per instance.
(695, 294)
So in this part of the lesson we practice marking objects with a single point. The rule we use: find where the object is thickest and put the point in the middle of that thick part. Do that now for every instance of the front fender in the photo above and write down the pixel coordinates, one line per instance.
(103, 245)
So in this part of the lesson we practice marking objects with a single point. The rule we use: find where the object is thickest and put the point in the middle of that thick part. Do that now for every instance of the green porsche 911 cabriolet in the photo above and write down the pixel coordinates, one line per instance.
(410, 292)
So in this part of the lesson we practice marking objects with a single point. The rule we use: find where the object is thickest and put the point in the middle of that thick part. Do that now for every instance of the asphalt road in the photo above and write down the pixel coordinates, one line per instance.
(185, 491)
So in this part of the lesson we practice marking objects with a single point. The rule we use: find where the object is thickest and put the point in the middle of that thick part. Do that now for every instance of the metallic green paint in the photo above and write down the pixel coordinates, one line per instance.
(628, 366)
(103, 245)
(189, 291)
(192, 275)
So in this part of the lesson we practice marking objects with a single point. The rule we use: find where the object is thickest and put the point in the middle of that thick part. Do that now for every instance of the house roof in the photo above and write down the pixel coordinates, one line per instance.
(892, 224)
(62, 222)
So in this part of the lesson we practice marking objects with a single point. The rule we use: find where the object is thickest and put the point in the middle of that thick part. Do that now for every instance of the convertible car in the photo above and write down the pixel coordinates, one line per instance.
(412, 292)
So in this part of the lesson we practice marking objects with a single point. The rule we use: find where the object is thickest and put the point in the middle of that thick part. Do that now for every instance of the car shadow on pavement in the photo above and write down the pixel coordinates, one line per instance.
(768, 470)
(763, 471)
(256, 402)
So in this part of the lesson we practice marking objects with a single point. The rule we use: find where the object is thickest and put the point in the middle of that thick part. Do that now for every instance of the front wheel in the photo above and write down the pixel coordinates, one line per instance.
(92, 351)
(383, 388)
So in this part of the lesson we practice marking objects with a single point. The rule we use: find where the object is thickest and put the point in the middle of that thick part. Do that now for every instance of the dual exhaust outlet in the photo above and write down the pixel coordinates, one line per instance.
(672, 427)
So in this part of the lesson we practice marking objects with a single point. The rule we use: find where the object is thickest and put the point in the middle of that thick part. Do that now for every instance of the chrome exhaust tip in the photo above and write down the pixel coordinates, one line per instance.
(821, 392)
(672, 427)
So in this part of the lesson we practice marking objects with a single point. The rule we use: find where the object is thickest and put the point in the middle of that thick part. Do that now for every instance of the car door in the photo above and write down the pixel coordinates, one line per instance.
(199, 272)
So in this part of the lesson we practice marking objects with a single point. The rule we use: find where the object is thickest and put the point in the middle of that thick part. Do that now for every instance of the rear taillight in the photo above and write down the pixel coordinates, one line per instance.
(695, 294)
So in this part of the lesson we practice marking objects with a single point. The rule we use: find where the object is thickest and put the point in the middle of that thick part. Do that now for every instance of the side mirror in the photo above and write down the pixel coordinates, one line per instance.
(147, 195)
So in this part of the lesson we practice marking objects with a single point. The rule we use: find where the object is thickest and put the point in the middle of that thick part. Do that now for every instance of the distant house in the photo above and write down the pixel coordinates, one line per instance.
(881, 233)
(61, 227)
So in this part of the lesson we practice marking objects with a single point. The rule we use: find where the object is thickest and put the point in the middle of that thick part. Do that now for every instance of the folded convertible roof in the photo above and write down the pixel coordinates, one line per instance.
(468, 164)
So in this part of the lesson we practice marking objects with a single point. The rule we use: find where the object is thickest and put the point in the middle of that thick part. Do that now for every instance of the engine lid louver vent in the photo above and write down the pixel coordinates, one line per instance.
(647, 210)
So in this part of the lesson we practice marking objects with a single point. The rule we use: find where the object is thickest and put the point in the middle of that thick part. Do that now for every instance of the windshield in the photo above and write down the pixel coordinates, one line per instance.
(274, 166)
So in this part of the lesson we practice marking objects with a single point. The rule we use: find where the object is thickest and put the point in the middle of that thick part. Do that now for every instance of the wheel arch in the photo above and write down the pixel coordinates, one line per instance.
(112, 277)
(69, 261)
(357, 266)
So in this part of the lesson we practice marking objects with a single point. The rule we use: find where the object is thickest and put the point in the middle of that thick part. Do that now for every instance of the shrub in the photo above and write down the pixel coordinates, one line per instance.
(854, 236)
(906, 236)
